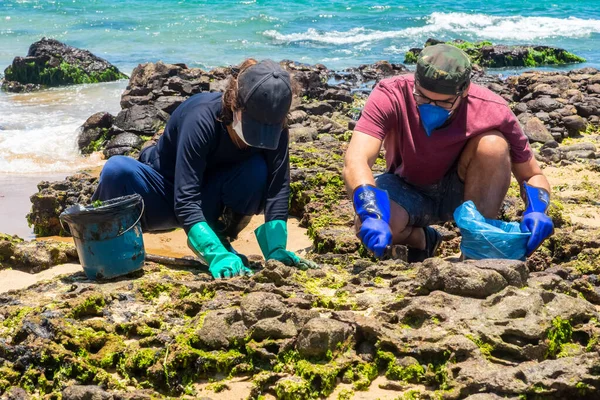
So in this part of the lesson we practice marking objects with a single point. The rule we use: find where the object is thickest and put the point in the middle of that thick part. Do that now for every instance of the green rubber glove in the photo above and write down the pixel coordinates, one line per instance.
(272, 239)
(206, 245)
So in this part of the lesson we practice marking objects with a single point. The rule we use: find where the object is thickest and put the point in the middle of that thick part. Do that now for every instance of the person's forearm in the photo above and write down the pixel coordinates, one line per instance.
(540, 181)
(357, 174)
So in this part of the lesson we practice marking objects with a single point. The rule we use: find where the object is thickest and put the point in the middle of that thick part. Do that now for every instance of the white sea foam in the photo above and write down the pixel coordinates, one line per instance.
(479, 26)
(515, 27)
(38, 130)
(395, 50)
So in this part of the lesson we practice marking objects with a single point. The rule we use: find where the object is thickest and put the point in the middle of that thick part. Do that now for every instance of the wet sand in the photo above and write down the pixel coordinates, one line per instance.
(15, 191)
(15, 280)
(171, 244)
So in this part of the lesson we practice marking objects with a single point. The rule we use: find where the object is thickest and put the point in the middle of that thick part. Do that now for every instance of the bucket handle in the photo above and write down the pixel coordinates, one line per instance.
(120, 234)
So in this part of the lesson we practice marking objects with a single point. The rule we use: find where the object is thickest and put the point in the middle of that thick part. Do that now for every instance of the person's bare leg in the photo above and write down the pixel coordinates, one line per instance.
(402, 233)
(484, 166)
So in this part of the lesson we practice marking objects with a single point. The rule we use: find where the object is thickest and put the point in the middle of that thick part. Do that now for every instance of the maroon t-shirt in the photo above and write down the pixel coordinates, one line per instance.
(391, 115)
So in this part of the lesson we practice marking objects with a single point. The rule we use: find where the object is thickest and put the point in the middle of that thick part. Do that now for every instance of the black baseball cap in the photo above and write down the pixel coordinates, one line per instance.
(265, 96)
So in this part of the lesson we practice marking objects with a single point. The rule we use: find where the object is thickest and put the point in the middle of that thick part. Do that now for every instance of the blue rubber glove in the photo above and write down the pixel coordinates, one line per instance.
(535, 219)
(206, 245)
(272, 239)
(372, 205)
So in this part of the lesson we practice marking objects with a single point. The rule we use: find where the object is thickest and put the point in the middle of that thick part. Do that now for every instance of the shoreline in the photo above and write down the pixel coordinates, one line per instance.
(15, 191)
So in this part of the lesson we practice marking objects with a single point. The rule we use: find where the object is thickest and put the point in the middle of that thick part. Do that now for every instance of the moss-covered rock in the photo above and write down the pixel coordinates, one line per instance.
(52, 63)
(486, 54)
(55, 197)
(34, 256)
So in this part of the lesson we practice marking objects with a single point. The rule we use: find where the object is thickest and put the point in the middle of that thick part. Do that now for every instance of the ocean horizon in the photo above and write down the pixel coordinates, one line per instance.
(339, 34)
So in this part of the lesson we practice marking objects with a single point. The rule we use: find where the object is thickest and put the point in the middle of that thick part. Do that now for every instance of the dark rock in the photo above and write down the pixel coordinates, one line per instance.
(366, 351)
(582, 154)
(309, 79)
(36, 256)
(545, 89)
(550, 154)
(340, 95)
(595, 88)
(297, 116)
(575, 124)
(543, 116)
(302, 134)
(316, 108)
(300, 316)
(168, 104)
(119, 151)
(221, 329)
(543, 104)
(550, 145)
(321, 335)
(515, 272)
(79, 392)
(558, 133)
(16, 393)
(260, 305)
(126, 139)
(272, 328)
(144, 120)
(578, 147)
(464, 279)
(567, 111)
(94, 128)
(588, 108)
(520, 108)
(53, 198)
(52, 63)
(535, 131)
(327, 138)
(144, 394)
(483, 54)
(393, 385)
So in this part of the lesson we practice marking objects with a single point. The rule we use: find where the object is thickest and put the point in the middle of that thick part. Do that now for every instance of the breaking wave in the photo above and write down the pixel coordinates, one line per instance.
(478, 26)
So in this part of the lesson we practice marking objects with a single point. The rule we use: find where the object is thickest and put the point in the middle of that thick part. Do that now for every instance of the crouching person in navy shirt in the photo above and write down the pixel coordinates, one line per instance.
(222, 158)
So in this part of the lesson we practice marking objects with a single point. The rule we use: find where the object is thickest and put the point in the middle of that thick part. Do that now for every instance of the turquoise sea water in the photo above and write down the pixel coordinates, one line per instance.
(336, 33)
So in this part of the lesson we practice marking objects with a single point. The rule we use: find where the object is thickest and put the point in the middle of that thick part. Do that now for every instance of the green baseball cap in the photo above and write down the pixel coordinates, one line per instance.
(443, 69)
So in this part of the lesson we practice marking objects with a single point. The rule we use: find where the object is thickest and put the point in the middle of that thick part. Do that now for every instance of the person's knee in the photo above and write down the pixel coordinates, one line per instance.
(118, 169)
(492, 146)
(487, 149)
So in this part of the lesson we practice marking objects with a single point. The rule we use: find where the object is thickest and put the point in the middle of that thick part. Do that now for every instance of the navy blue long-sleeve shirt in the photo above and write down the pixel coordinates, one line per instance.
(196, 142)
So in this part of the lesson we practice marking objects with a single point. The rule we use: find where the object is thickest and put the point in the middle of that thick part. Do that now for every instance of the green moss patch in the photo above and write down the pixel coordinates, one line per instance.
(559, 334)
(63, 74)
(530, 56)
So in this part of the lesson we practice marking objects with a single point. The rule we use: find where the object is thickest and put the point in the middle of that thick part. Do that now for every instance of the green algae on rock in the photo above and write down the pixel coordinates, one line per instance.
(52, 63)
(144, 332)
(34, 256)
(486, 54)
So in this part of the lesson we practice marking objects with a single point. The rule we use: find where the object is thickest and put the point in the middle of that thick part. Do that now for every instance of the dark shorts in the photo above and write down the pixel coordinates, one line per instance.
(427, 205)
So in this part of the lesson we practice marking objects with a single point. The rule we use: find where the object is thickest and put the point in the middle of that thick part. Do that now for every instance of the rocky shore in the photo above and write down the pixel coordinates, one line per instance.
(441, 329)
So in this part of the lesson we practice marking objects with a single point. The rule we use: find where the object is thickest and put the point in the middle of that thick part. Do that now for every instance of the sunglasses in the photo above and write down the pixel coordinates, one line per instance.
(422, 99)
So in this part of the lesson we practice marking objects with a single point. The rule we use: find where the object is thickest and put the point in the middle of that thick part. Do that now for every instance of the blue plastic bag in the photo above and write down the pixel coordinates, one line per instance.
(489, 238)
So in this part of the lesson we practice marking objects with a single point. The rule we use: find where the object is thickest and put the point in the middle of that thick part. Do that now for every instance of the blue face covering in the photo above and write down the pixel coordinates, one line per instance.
(432, 117)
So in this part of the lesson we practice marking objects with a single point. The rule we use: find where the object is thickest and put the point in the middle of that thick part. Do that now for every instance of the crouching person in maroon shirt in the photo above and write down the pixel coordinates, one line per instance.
(447, 141)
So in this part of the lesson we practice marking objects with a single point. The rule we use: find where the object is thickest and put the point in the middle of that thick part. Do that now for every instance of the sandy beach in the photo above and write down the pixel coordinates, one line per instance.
(171, 244)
